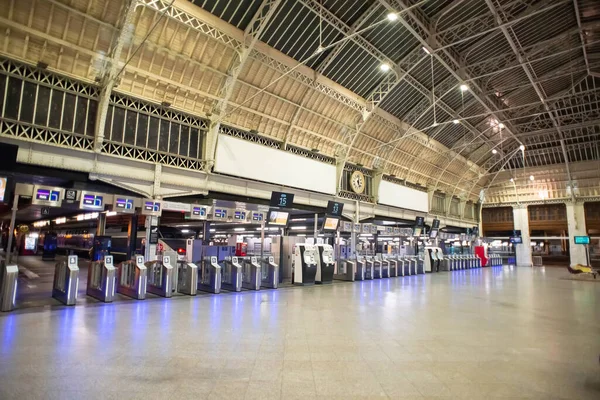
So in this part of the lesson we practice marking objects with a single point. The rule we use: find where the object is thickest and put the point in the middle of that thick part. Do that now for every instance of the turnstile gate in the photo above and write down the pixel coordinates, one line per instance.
(269, 273)
(102, 280)
(187, 278)
(251, 275)
(8, 286)
(66, 281)
(160, 277)
(231, 278)
(132, 278)
(210, 275)
(362, 270)
(346, 270)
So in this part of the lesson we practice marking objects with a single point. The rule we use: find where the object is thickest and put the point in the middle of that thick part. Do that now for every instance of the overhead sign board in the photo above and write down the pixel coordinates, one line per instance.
(239, 215)
(435, 224)
(220, 213)
(582, 239)
(335, 208)
(124, 204)
(280, 199)
(256, 216)
(92, 201)
(47, 196)
(346, 226)
(198, 212)
(151, 207)
(357, 228)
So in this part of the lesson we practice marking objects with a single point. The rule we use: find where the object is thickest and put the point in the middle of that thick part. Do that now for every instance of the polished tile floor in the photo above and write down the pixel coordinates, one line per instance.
(491, 333)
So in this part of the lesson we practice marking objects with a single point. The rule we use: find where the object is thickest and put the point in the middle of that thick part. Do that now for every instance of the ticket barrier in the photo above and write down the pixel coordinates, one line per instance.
(413, 264)
(66, 281)
(420, 264)
(385, 265)
(392, 266)
(369, 268)
(160, 277)
(8, 285)
(251, 275)
(269, 273)
(361, 270)
(231, 278)
(186, 279)
(345, 270)
(403, 266)
(445, 263)
(209, 279)
(132, 278)
(102, 280)
(375, 267)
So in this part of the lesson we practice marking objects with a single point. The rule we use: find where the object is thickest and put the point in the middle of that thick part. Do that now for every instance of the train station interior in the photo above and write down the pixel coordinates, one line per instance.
(299, 199)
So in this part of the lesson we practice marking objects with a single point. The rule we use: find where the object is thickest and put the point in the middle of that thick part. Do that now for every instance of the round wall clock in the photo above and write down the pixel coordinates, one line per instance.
(357, 182)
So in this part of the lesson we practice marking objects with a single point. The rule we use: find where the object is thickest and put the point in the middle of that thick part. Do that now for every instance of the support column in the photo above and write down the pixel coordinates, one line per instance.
(132, 236)
(521, 222)
(576, 224)
(11, 229)
(101, 228)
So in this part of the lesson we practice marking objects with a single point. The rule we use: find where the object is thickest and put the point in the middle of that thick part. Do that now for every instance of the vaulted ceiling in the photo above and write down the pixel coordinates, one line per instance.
(467, 82)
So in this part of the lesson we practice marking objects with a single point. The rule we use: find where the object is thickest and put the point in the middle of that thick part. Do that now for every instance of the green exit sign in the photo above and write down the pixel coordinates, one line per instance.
(582, 240)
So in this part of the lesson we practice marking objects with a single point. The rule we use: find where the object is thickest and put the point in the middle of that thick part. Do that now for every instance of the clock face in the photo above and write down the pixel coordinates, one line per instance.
(357, 182)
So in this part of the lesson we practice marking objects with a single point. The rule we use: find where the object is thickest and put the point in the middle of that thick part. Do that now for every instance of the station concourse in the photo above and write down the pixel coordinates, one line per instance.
(297, 199)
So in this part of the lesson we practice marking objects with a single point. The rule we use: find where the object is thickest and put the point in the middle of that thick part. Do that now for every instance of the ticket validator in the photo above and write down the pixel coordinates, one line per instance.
(66, 281)
(305, 264)
(231, 274)
(102, 279)
(269, 272)
(132, 278)
(325, 264)
(160, 277)
(209, 275)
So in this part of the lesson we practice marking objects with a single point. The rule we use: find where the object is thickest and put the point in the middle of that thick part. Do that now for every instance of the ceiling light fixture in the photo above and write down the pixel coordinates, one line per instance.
(494, 151)
(392, 16)
(522, 147)
(512, 180)
(531, 178)
(455, 121)
(385, 67)
(501, 125)
(426, 50)
(464, 88)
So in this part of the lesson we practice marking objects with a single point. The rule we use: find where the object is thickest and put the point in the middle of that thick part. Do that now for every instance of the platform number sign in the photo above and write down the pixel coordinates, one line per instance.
(335, 208)
(280, 199)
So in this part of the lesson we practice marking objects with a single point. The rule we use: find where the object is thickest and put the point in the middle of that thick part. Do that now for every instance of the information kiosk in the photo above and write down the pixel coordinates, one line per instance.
(305, 264)
(432, 262)
(325, 265)
(102, 279)
(132, 278)
(232, 274)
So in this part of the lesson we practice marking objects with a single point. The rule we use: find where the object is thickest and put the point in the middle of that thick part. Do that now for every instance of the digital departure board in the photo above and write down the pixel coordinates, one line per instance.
(330, 224)
(435, 224)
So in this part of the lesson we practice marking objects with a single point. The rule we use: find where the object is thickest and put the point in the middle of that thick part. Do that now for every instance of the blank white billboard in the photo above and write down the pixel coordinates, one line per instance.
(404, 197)
(245, 159)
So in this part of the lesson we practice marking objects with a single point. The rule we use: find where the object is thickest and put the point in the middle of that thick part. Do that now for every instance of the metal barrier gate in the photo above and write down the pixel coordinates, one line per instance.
(187, 278)
(102, 280)
(251, 276)
(160, 277)
(132, 278)
(66, 281)
(269, 273)
(210, 275)
(231, 278)
(346, 270)
(8, 286)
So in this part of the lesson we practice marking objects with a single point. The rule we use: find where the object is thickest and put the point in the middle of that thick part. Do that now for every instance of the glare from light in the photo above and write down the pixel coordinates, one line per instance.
(392, 16)
(298, 228)
(239, 229)
(111, 213)
(531, 178)
(456, 121)
(512, 180)
(501, 125)
(522, 147)
(320, 49)
(464, 88)
(185, 231)
(434, 124)
(494, 151)
(426, 50)
(385, 67)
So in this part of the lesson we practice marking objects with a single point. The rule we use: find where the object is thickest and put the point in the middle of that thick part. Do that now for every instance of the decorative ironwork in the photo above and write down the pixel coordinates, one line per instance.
(140, 154)
(345, 194)
(249, 136)
(33, 133)
(310, 154)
